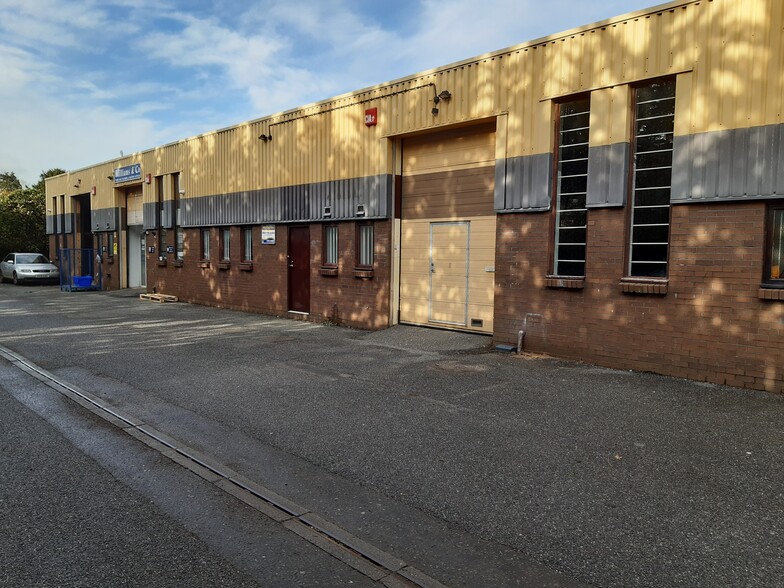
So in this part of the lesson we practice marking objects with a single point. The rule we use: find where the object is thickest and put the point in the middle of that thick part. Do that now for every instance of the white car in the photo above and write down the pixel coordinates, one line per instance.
(28, 267)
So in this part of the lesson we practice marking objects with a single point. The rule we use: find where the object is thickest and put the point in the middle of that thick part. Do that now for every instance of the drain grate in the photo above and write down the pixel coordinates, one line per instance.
(365, 558)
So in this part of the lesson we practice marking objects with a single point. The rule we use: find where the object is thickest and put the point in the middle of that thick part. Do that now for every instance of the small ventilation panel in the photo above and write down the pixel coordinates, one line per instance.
(327, 212)
(477, 322)
(360, 210)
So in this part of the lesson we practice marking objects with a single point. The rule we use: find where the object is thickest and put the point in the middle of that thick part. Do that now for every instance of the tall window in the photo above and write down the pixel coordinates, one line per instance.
(247, 244)
(330, 245)
(365, 245)
(180, 237)
(160, 220)
(205, 243)
(654, 125)
(572, 186)
(774, 266)
(225, 249)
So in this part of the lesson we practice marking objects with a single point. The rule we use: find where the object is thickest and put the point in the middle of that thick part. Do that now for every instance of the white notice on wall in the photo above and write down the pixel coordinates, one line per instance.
(267, 234)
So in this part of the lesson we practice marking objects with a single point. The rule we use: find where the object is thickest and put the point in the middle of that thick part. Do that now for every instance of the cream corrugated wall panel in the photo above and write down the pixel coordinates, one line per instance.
(757, 99)
(775, 73)
(728, 60)
(684, 38)
(735, 50)
(684, 114)
(232, 140)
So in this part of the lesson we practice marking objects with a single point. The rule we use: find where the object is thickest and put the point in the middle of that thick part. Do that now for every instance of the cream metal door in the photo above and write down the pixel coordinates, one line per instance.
(136, 258)
(447, 229)
(137, 270)
(449, 262)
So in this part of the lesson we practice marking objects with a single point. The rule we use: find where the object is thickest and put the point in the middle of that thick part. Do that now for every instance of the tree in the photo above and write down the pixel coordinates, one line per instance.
(8, 183)
(23, 214)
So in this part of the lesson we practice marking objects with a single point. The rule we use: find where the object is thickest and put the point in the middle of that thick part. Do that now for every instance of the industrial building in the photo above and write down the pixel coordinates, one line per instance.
(614, 192)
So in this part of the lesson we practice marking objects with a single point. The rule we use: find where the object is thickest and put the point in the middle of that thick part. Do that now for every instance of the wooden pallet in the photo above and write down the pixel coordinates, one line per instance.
(159, 297)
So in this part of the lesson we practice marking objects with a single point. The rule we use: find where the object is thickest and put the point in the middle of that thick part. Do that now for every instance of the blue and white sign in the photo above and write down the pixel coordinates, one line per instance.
(128, 173)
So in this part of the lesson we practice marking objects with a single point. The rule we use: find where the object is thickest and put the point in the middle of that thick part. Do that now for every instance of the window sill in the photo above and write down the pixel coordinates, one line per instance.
(246, 266)
(565, 283)
(177, 263)
(364, 274)
(161, 263)
(328, 271)
(204, 264)
(771, 293)
(224, 265)
(643, 286)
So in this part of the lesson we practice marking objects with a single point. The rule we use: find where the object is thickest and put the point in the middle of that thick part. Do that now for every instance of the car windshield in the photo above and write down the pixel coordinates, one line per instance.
(31, 258)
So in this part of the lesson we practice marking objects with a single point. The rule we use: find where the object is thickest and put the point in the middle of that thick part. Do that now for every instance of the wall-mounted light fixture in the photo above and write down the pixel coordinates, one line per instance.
(444, 96)
(110, 177)
(78, 183)
(265, 138)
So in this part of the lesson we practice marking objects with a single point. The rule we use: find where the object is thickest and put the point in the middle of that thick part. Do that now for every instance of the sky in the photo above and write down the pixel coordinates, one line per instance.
(84, 80)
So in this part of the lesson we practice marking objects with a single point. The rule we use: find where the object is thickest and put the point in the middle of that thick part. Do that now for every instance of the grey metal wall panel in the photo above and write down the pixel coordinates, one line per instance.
(50, 224)
(778, 170)
(499, 188)
(302, 203)
(608, 175)
(105, 219)
(714, 161)
(527, 184)
(681, 170)
(737, 164)
(167, 214)
(150, 214)
(68, 223)
(740, 152)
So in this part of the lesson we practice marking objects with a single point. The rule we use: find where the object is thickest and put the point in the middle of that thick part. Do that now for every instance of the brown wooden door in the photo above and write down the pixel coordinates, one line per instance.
(299, 269)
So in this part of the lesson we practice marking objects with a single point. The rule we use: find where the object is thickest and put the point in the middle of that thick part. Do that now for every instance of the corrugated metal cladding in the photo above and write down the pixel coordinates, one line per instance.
(523, 183)
(292, 203)
(608, 175)
(736, 164)
(167, 214)
(727, 55)
(158, 216)
(105, 219)
(150, 215)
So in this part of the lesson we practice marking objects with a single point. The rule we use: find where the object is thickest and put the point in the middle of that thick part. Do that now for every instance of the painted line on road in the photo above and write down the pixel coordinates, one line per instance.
(365, 558)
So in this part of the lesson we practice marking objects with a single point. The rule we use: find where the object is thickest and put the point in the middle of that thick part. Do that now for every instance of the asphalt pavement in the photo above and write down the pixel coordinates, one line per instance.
(479, 467)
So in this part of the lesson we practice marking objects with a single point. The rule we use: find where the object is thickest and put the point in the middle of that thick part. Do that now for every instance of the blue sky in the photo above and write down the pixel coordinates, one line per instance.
(84, 80)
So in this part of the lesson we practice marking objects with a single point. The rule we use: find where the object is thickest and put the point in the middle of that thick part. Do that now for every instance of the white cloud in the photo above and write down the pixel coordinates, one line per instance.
(198, 71)
(51, 22)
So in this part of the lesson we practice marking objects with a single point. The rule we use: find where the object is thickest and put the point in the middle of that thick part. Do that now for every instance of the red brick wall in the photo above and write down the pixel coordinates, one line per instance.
(343, 299)
(349, 299)
(711, 325)
(262, 289)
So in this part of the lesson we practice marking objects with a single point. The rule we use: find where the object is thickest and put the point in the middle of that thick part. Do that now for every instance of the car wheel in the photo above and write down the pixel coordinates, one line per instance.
(16, 280)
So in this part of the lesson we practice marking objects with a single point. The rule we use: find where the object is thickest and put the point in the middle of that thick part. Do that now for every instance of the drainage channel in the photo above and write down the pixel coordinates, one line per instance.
(370, 561)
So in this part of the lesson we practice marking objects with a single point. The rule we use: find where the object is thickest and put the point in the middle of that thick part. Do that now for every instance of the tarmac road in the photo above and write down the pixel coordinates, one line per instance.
(75, 512)
(432, 448)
